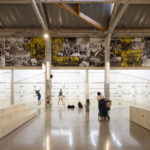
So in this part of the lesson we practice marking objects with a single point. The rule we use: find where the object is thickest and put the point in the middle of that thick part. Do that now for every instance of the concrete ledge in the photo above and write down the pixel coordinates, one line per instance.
(13, 118)
(140, 116)
(10, 109)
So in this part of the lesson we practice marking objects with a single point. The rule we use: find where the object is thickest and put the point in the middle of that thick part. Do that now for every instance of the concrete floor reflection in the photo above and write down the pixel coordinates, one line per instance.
(60, 128)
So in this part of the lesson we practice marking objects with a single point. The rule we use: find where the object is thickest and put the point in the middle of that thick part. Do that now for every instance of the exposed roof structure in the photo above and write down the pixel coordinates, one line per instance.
(75, 18)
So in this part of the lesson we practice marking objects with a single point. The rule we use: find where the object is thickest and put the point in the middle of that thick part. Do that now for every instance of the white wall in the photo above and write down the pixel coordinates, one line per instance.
(129, 85)
(5, 77)
(130, 76)
(26, 82)
(72, 83)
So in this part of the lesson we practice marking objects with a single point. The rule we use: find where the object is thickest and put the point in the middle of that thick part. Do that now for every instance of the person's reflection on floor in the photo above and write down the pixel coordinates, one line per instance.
(104, 136)
(80, 110)
(39, 111)
(60, 111)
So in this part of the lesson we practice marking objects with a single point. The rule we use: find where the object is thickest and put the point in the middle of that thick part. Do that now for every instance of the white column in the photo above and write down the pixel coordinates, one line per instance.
(48, 71)
(12, 87)
(87, 84)
(107, 65)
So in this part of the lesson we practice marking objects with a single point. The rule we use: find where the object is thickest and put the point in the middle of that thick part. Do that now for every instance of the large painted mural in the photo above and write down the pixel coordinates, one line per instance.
(90, 52)
(130, 52)
(78, 52)
(20, 51)
(82, 52)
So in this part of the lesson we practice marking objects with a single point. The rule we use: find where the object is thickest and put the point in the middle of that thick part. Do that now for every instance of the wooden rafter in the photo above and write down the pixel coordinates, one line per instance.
(78, 9)
(82, 16)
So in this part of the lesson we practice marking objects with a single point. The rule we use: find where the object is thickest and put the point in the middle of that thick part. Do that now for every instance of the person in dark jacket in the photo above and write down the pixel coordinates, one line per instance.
(102, 109)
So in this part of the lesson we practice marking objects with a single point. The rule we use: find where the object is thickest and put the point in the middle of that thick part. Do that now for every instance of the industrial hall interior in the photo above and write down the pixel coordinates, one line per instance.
(74, 74)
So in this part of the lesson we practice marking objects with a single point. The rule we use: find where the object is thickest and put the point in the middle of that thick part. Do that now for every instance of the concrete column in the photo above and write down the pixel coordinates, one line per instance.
(87, 84)
(48, 71)
(107, 65)
(12, 87)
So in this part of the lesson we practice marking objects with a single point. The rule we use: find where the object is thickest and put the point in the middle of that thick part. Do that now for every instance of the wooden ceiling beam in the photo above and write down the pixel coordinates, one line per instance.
(81, 16)
(78, 9)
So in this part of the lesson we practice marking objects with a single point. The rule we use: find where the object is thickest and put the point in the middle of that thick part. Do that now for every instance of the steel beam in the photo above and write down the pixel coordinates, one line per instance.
(74, 1)
(114, 13)
(62, 32)
(107, 66)
(87, 84)
(48, 95)
(38, 14)
(95, 1)
(85, 30)
(43, 13)
(118, 17)
(12, 87)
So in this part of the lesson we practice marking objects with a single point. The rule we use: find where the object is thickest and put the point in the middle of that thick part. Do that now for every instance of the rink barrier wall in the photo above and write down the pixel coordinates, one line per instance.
(11, 117)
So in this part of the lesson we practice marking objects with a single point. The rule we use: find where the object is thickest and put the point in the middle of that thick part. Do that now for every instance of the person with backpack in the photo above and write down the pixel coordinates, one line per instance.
(37, 92)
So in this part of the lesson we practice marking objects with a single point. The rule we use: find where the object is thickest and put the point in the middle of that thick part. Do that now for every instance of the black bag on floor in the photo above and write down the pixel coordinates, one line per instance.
(71, 106)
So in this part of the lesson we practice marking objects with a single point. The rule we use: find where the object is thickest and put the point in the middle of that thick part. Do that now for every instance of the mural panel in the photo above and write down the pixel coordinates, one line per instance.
(130, 52)
(61, 56)
(15, 54)
(20, 51)
(79, 52)
(146, 53)
(36, 48)
(82, 52)
(2, 52)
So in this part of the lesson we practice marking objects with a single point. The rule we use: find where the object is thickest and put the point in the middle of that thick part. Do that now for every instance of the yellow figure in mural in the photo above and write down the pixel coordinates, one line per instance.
(36, 47)
(126, 43)
(131, 58)
(126, 40)
(57, 54)
(117, 53)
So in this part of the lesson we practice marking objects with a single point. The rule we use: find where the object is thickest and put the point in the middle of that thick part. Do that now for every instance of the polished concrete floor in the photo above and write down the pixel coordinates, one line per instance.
(63, 129)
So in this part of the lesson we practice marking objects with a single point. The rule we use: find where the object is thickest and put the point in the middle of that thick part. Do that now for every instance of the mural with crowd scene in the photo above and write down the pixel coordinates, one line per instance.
(130, 52)
(83, 52)
(21, 51)
(90, 52)
(78, 52)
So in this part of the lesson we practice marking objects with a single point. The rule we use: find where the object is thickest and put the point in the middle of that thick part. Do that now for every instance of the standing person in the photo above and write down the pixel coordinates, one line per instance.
(60, 96)
(99, 96)
(87, 108)
(101, 106)
(38, 96)
(102, 109)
